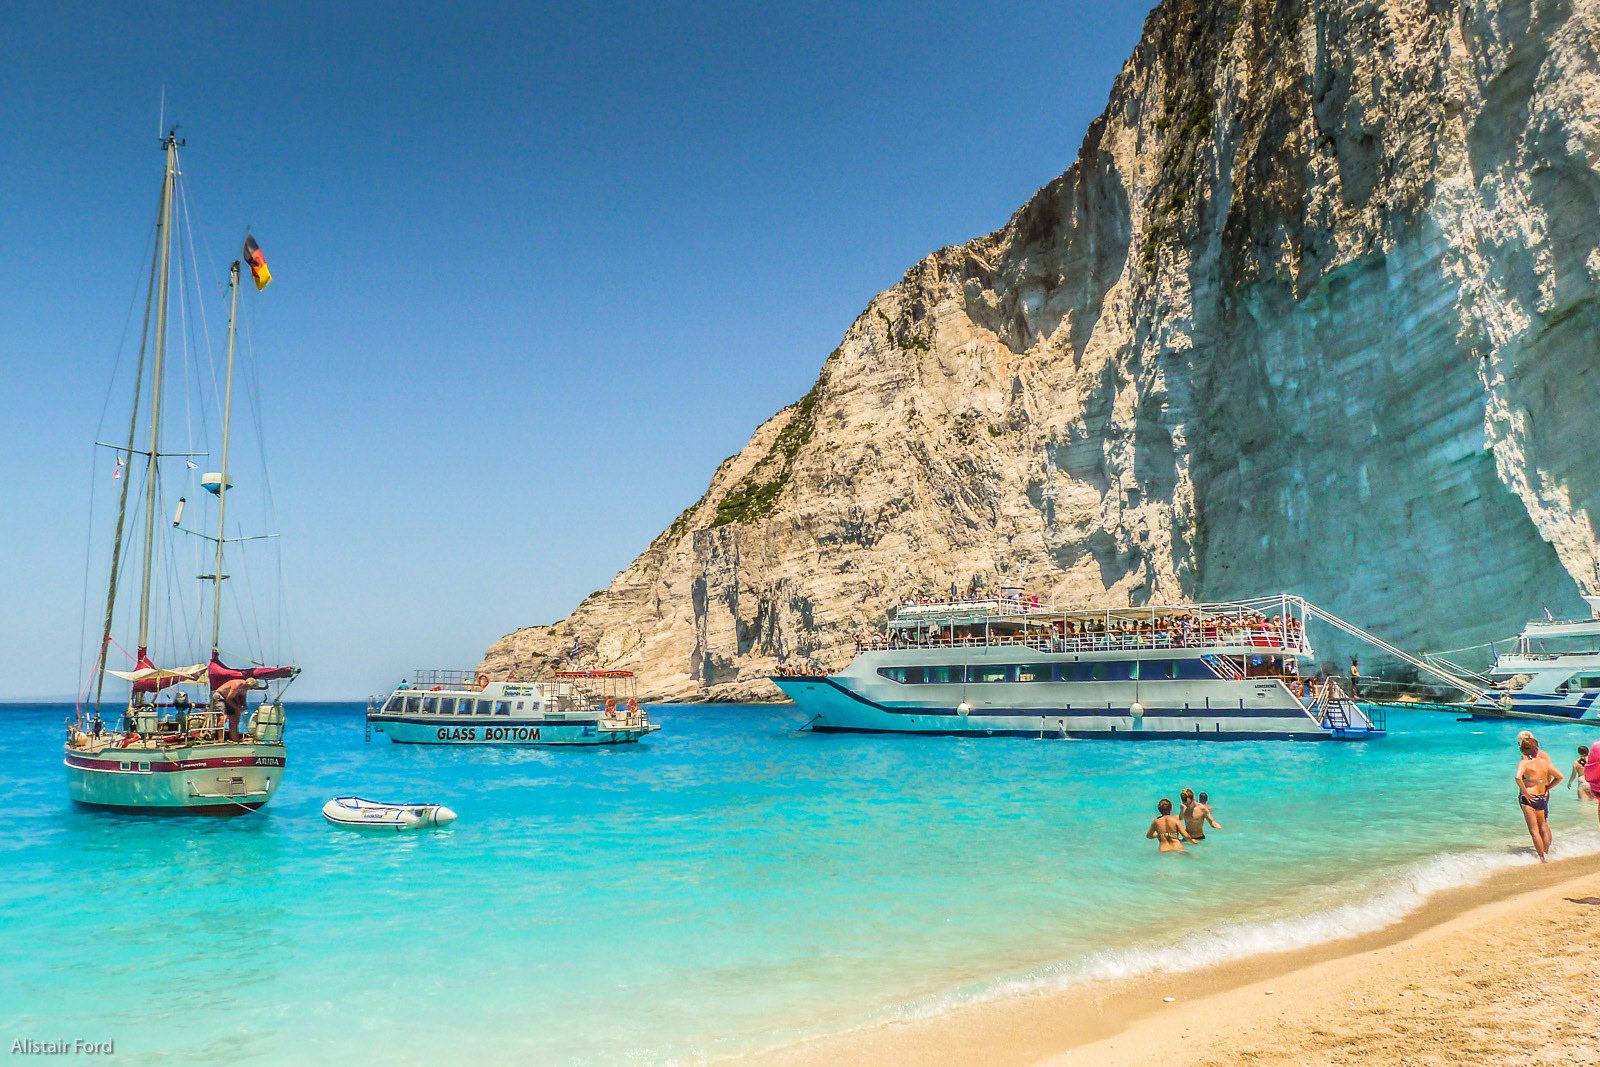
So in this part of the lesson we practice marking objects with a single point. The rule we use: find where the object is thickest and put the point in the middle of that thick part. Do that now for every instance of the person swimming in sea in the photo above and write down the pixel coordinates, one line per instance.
(1578, 765)
(1535, 777)
(1195, 814)
(1166, 830)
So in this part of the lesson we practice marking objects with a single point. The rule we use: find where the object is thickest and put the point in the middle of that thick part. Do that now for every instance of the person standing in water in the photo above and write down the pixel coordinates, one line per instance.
(1536, 776)
(1195, 814)
(1584, 792)
(1166, 830)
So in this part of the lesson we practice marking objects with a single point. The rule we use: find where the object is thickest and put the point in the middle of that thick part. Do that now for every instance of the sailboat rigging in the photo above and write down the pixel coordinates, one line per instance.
(171, 754)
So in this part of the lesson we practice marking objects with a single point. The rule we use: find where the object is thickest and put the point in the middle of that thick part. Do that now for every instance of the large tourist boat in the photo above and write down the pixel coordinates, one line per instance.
(453, 707)
(170, 754)
(1008, 665)
(1553, 670)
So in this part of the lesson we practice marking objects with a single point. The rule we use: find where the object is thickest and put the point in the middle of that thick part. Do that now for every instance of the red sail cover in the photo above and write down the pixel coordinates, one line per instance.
(218, 672)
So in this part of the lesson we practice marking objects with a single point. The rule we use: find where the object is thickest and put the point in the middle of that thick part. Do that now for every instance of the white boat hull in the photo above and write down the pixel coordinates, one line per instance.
(459, 730)
(357, 814)
(201, 779)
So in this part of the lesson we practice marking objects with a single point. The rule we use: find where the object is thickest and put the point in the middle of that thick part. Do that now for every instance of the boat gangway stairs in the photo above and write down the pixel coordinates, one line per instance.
(1338, 713)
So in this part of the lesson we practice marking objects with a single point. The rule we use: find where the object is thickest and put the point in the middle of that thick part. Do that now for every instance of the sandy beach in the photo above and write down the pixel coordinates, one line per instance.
(1502, 972)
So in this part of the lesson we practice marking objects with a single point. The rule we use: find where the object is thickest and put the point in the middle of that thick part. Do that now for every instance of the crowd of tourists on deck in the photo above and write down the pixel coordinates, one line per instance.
(1177, 629)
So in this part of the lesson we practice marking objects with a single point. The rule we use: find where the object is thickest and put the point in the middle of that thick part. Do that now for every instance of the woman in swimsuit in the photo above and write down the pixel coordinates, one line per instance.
(1166, 830)
(1536, 776)
(1584, 792)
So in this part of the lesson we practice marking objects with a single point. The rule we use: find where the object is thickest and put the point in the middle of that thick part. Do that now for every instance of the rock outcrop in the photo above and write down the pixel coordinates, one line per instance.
(1317, 309)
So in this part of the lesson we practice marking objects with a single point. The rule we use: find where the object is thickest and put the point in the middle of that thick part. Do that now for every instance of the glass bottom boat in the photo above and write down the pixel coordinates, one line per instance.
(451, 707)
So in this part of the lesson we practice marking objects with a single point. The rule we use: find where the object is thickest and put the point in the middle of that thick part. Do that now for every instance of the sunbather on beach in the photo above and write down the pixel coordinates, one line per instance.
(1577, 775)
(1195, 814)
(1536, 776)
(1166, 830)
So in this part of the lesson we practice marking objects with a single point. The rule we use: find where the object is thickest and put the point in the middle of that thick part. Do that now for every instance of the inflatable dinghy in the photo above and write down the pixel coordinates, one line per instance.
(370, 814)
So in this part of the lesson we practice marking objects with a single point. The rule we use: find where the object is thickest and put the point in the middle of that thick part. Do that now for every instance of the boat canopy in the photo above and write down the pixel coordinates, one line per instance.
(148, 678)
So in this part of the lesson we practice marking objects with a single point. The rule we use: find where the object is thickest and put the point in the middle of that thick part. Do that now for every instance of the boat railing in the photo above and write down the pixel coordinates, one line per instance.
(1266, 639)
(425, 679)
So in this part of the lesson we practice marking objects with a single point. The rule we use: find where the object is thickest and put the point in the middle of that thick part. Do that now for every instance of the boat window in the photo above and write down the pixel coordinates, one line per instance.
(991, 672)
(485, 707)
(412, 704)
(1174, 668)
(902, 674)
(502, 707)
(430, 705)
(447, 705)
(519, 705)
(1062, 672)
(1585, 681)
(1097, 671)
(1133, 670)
(393, 706)
(1034, 672)
(945, 673)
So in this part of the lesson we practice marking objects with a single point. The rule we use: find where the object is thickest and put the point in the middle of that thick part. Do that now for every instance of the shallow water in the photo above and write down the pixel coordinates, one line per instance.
(728, 884)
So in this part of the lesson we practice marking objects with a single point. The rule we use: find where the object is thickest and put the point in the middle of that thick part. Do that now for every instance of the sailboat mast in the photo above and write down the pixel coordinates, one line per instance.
(163, 272)
(222, 489)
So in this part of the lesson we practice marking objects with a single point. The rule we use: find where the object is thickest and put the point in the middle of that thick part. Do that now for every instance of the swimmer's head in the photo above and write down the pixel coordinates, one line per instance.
(1187, 794)
(1527, 742)
(1205, 798)
(1165, 807)
(1583, 750)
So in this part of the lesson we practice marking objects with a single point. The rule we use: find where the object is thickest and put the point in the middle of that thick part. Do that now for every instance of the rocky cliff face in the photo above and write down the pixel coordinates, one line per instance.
(1317, 309)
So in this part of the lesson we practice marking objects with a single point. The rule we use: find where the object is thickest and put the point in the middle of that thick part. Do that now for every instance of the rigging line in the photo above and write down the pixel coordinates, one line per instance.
(127, 323)
(127, 470)
(185, 331)
(83, 611)
(205, 325)
(259, 418)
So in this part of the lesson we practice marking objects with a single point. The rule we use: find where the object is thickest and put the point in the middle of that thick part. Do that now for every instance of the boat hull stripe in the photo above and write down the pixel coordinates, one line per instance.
(163, 766)
(1113, 735)
(1067, 713)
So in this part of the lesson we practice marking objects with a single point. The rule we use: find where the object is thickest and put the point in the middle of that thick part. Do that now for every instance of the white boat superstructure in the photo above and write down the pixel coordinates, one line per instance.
(1008, 665)
(1554, 669)
(452, 707)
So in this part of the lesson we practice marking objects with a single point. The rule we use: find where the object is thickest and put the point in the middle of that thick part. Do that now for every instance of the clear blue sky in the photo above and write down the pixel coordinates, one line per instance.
(537, 270)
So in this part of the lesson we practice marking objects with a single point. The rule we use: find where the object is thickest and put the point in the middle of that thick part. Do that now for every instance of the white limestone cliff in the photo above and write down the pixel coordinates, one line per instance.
(1317, 309)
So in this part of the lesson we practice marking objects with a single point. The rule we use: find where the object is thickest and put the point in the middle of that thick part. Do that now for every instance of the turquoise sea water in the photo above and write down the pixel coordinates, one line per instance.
(727, 885)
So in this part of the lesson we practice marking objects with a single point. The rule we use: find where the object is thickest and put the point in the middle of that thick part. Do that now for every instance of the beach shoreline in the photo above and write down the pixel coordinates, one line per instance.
(1391, 994)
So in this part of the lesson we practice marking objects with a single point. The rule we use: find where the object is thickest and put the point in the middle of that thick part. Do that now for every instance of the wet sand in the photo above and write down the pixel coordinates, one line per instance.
(1504, 972)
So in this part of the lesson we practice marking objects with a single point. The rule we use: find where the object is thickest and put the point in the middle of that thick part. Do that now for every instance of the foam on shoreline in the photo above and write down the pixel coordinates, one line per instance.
(1399, 894)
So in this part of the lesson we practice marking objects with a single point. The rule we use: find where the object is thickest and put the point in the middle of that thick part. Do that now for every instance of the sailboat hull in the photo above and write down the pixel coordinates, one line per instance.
(207, 779)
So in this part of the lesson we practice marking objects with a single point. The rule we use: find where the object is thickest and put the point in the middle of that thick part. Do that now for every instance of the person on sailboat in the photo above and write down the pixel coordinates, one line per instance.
(232, 696)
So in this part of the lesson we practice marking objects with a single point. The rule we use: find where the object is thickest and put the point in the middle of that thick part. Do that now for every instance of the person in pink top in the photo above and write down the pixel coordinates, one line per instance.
(1591, 773)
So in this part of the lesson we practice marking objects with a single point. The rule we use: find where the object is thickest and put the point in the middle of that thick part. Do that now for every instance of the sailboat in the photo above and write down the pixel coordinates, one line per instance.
(170, 753)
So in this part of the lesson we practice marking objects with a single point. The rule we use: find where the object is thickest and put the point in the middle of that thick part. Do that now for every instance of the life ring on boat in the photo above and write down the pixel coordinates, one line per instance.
(633, 706)
(611, 706)
(1297, 688)
(436, 688)
(483, 681)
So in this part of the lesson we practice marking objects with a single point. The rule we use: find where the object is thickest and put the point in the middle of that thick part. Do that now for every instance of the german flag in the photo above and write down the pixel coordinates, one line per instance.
(258, 263)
